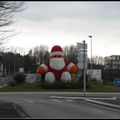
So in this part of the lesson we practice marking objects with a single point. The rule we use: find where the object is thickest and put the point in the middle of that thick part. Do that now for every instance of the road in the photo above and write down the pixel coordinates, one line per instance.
(49, 105)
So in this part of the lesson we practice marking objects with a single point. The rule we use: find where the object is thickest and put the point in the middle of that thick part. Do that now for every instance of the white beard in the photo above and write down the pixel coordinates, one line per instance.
(57, 63)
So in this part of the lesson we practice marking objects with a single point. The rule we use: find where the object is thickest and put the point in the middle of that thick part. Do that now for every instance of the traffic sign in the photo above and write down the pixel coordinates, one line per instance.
(117, 82)
(82, 55)
(81, 46)
(79, 72)
(80, 58)
(81, 66)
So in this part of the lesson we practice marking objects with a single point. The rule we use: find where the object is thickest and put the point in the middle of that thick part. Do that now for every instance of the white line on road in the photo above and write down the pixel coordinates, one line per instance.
(112, 98)
(68, 100)
(55, 100)
(78, 98)
(63, 97)
(30, 101)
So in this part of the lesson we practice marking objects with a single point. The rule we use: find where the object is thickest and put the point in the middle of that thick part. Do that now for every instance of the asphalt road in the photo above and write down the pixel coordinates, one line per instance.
(49, 105)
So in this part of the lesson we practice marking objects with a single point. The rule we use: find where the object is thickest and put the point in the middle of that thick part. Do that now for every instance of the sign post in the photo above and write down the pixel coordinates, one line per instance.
(82, 61)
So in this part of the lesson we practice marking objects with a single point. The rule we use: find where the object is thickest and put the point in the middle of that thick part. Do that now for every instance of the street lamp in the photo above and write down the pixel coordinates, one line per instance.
(8, 60)
(9, 63)
(14, 62)
(90, 36)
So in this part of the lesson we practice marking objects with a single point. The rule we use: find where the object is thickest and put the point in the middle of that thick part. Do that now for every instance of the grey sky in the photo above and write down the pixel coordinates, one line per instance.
(66, 23)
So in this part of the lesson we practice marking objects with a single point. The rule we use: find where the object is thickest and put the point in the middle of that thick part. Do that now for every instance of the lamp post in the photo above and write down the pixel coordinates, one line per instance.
(90, 36)
(14, 62)
(9, 63)
(8, 60)
(3, 64)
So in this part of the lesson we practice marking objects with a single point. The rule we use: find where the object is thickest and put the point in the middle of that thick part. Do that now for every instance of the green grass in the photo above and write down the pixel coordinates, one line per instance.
(35, 87)
(21, 88)
(103, 88)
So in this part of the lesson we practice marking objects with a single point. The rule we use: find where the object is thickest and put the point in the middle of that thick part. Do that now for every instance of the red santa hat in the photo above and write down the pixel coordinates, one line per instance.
(56, 50)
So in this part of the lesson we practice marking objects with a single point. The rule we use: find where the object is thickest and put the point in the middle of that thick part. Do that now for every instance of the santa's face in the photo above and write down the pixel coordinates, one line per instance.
(57, 63)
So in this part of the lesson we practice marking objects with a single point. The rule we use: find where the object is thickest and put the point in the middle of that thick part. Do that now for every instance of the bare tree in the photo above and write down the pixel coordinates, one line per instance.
(40, 52)
(70, 53)
(66, 50)
(8, 9)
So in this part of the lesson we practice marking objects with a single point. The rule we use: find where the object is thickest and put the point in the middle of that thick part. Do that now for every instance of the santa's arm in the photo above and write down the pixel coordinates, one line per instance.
(72, 68)
(42, 69)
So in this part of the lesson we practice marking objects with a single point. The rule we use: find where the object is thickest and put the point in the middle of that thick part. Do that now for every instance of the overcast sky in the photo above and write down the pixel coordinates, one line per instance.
(66, 23)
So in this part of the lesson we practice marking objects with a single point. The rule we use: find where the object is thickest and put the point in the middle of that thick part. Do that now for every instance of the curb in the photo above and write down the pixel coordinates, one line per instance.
(103, 103)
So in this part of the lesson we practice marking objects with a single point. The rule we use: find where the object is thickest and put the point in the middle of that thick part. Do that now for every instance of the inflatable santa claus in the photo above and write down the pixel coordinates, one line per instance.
(57, 68)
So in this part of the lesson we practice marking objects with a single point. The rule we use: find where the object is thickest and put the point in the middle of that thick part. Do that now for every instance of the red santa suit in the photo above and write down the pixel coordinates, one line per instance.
(57, 68)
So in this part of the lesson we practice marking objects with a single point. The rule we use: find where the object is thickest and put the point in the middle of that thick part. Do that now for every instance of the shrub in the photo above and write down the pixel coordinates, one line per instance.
(74, 84)
(19, 78)
(11, 83)
(56, 85)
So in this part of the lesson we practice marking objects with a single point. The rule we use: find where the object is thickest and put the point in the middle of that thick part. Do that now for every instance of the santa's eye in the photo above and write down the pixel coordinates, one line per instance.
(57, 56)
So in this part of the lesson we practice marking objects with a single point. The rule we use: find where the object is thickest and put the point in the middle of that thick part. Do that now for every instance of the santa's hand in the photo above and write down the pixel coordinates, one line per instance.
(42, 69)
(72, 68)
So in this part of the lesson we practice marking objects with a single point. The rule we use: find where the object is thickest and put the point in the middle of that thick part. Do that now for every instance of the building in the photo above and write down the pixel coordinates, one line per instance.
(112, 62)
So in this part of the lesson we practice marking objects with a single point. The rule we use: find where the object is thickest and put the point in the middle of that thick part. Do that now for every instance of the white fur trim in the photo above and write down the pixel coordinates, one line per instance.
(69, 66)
(57, 63)
(49, 77)
(56, 53)
(45, 67)
(66, 77)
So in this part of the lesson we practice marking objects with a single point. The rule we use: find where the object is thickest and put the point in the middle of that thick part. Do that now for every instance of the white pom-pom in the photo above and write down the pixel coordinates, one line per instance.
(49, 77)
(66, 77)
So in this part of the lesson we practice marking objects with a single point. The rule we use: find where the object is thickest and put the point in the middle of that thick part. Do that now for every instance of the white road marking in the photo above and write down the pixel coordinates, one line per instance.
(84, 98)
(68, 100)
(112, 98)
(55, 100)
(30, 101)
(62, 97)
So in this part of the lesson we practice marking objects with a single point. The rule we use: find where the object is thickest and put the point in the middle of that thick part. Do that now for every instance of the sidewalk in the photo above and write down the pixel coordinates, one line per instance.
(11, 110)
